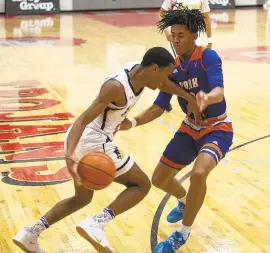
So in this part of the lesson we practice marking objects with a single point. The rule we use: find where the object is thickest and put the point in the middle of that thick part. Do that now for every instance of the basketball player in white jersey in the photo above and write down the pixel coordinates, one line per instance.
(202, 5)
(93, 131)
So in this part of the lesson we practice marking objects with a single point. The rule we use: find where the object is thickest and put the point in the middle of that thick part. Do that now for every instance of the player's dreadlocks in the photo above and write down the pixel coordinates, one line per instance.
(193, 19)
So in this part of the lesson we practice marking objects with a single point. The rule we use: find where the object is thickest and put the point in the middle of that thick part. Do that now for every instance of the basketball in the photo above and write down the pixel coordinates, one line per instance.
(97, 170)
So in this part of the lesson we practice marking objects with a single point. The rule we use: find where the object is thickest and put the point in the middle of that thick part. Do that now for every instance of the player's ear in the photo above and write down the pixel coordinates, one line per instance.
(154, 68)
(195, 36)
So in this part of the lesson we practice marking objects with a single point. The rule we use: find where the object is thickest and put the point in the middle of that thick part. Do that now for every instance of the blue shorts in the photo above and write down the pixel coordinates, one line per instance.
(188, 143)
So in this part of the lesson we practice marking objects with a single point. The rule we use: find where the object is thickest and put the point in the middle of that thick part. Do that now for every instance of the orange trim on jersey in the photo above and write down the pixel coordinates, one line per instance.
(197, 54)
(202, 65)
(214, 146)
(172, 164)
(210, 121)
(177, 61)
(227, 127)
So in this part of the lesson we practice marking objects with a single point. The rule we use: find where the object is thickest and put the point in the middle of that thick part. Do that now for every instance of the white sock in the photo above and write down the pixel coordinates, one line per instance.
(184, 230)
(37, 228)
(104, 217)
(183, 200)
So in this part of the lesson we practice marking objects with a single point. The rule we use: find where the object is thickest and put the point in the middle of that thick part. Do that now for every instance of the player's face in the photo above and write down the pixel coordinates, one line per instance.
(159, 76)
(183, 40)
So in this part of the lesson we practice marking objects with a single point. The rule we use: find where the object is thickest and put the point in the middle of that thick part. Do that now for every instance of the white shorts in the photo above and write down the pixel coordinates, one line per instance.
(93, 141)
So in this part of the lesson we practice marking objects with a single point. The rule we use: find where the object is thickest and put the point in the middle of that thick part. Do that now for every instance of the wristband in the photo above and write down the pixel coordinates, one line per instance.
(210, 40)
(133, 122)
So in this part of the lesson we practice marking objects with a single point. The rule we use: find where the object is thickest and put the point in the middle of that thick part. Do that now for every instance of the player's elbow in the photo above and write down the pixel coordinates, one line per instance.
(216, 95)
(220, 94)
(81, 122)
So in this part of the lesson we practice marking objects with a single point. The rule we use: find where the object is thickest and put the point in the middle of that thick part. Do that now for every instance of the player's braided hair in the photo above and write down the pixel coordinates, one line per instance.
(193, 19)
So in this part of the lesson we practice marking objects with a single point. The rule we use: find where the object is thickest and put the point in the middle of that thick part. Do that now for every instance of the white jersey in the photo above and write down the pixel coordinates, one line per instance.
(202, 5)
(109, 121)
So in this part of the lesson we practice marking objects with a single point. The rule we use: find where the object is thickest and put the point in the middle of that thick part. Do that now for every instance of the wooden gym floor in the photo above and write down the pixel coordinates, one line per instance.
(51, 68)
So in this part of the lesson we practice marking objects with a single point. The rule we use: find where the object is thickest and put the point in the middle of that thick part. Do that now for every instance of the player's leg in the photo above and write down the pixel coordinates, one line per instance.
(213, 147)
(64, 208)
(26, 238)
(137, 186)
(131, 176)
(179, 153)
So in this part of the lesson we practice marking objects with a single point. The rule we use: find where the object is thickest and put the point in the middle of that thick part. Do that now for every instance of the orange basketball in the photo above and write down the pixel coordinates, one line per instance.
(97, 170)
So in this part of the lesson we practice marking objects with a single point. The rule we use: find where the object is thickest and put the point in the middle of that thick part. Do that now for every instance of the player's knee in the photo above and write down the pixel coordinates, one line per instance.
(145, 184)
(158, 181)
(198, 177)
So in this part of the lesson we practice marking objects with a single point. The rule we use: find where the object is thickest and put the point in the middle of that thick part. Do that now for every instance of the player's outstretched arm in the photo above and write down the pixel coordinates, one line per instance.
(173, 88)
(110, 92)
(150, 114)
(145, 117)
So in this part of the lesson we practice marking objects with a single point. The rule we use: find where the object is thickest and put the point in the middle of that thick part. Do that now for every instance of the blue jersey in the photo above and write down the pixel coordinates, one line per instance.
(202, 71)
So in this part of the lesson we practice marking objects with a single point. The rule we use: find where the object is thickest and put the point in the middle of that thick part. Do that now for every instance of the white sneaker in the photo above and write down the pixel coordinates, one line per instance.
(26, 239)
(92, 231)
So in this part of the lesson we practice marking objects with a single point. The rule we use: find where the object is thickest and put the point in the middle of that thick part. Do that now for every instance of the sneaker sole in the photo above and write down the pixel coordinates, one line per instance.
(96, 245)
(21, 246)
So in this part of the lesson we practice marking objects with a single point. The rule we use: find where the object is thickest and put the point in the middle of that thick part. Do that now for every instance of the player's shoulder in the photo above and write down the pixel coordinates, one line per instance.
(111, 89)
(210, 57)
(112, 85)
(208, 52)
(203, 52)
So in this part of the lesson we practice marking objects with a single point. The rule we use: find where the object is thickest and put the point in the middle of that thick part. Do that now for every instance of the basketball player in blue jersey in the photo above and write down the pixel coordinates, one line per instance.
(93, 131)
(199, 71)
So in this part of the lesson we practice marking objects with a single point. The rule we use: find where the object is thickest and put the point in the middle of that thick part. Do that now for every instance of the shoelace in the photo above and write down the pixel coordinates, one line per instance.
(175, 242)
(180, 208)
(96, 223)
(34, 231)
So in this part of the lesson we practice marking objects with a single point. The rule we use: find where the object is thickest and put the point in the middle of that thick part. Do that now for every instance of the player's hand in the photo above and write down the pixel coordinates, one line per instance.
(202, 100)
(72, 165)
(192, 107)
(125, 125)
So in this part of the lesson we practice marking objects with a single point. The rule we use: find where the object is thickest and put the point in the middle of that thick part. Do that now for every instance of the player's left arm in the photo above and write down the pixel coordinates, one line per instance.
(213, 68)
(173, 88)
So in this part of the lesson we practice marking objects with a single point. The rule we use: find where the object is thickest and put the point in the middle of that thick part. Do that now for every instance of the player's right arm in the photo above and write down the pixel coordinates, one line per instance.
(109, 92)
(167, 4)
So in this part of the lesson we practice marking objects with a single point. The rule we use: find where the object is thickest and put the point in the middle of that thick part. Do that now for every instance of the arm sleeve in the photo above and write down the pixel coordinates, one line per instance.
(205, 6)
(163, 99)
(167, 4)
(213, 67)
